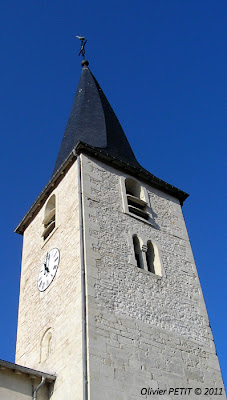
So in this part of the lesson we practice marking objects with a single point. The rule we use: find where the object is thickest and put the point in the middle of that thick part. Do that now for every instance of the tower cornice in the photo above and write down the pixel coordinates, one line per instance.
(102, 155)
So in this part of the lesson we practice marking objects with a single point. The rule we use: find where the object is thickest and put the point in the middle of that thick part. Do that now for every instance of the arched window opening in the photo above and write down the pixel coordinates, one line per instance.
(136, 198)
(49, 219)
(46, 343)
(150, 257)
(133, 188)
(49, 345)
(137, 252)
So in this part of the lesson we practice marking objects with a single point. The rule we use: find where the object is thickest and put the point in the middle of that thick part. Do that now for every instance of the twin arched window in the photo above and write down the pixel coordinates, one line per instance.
(49, 217)
(147, 256)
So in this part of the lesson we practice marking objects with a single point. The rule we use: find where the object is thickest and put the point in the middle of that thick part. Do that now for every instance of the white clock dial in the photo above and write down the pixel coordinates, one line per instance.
(48, 269)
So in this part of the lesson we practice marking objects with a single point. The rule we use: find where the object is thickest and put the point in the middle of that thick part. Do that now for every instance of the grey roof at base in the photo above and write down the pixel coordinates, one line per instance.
(25, 370)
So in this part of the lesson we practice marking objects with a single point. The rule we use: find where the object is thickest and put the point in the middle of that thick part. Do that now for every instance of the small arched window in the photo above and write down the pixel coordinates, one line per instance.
(46, 343)
(136, 198)
(49, 218)
(138, 252)
(150, 257)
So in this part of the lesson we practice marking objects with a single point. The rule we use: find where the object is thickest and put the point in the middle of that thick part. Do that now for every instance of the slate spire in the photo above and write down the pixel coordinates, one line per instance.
(93, 121)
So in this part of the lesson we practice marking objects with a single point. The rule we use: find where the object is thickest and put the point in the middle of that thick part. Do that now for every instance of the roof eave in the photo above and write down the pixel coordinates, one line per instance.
(27, 371)
(81, 147)
(140, 173)
(53, 182)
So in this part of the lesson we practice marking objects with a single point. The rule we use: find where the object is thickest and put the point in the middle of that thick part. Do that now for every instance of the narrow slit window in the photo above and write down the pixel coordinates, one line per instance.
(49, 219)
(137, 252)
(150, 257)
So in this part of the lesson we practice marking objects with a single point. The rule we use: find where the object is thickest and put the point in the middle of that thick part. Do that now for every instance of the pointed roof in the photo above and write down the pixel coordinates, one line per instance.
(93, 121)
(94, 129)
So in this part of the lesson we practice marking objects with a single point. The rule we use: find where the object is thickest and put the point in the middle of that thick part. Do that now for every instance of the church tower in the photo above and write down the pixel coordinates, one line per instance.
(110, 299)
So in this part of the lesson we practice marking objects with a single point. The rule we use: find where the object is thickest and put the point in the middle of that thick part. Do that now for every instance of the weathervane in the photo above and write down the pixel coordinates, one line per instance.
(82, 45)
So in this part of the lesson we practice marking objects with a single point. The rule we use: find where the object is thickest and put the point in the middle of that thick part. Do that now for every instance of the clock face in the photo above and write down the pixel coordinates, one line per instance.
(48, 269)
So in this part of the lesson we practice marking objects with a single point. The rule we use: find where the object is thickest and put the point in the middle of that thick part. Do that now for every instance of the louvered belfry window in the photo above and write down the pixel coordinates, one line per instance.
(49, 219)
(135, 198)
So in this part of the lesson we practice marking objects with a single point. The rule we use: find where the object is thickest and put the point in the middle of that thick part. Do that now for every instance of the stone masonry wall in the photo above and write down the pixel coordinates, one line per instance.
(59, 307)
(143, 330)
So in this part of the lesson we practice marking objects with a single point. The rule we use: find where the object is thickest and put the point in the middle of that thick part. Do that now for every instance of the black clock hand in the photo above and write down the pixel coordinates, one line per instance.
(47, 269)
(45, 263)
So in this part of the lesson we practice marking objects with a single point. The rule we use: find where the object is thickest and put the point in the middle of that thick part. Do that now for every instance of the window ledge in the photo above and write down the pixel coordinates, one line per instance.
(149, 222)
(144, 271)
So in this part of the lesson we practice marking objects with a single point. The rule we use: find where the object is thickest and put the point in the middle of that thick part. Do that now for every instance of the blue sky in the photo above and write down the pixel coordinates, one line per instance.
(161, 65)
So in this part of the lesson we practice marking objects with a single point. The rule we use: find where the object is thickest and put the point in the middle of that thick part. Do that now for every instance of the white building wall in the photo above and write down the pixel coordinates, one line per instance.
(20, 386)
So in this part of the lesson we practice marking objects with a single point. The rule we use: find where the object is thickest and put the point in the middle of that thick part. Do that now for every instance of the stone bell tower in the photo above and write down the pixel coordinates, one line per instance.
(110, 299)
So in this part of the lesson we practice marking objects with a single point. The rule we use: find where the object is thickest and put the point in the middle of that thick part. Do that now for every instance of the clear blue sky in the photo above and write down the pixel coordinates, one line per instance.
(161, 65)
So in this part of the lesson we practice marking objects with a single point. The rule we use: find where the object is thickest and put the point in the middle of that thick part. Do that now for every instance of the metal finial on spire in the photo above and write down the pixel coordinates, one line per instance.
(83, 41)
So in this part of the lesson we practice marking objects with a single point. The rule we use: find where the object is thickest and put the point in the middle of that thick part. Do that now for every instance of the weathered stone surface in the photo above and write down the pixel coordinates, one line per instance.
(157, 330)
